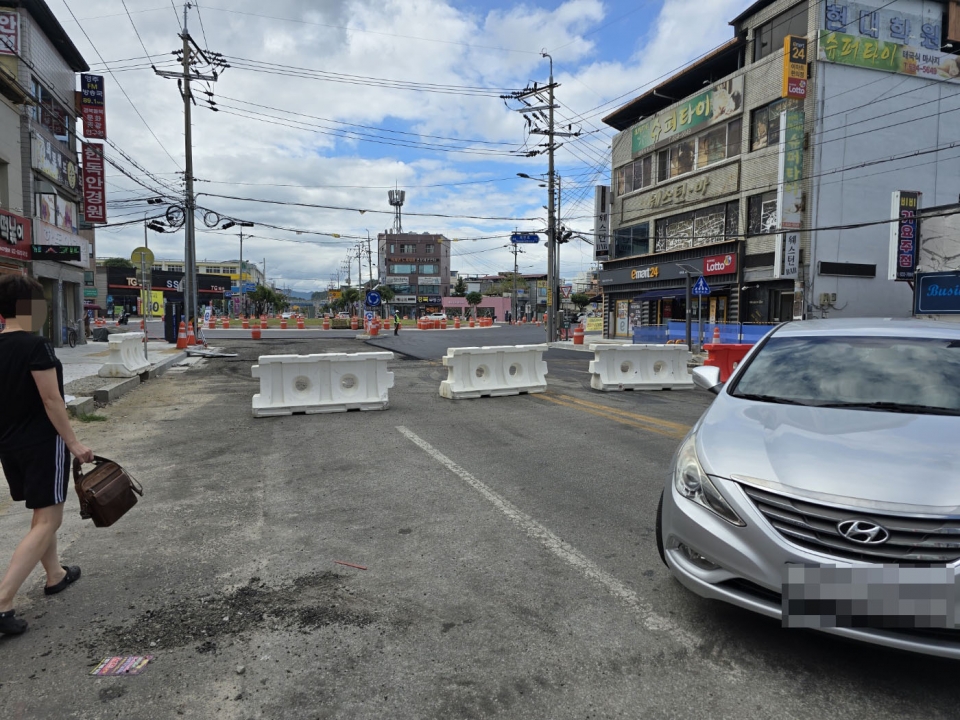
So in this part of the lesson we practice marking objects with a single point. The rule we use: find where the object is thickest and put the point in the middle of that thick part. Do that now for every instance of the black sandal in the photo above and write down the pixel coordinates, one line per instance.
(73, 574)
(10, 625)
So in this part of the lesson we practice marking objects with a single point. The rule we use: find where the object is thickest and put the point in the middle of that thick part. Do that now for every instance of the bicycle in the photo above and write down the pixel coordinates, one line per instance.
(73, 332)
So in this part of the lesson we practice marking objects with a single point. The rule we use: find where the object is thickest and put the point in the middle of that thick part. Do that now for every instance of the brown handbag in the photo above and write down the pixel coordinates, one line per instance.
(106, 492)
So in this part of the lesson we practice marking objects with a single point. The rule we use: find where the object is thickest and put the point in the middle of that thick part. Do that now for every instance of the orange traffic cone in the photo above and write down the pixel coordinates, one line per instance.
(716, 336)
(191, 338)
(301, 325)
(182, 336)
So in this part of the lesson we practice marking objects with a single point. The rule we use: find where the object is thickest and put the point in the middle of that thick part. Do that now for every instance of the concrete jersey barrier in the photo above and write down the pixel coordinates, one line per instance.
(127, 358)
(475, 372)
(640, 367)
(328, 383)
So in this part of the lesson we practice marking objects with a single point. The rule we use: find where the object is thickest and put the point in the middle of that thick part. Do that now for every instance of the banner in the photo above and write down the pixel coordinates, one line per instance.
(786, 256)
(48, 159)
(875, 54)
(790, 187)
(9, 33)
(721, 102)
(92, 107)
(94, 186)
(794, 67)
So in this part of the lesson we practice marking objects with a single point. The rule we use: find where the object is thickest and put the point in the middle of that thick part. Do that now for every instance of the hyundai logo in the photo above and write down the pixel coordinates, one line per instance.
(863, 532)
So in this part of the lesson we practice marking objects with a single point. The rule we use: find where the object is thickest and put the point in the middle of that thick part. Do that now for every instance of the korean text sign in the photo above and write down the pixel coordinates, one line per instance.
(904, 235)
(15, 238)
(92, 107)
(794, 67)
(9, 33)
(94, 184)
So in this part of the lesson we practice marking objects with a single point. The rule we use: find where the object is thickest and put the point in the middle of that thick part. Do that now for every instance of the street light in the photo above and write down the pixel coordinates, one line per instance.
(241, 224)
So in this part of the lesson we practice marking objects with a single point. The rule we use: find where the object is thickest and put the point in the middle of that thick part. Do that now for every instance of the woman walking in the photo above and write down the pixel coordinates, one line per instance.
(36, 441)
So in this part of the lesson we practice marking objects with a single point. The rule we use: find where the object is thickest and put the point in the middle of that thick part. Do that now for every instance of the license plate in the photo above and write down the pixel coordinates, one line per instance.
(870, 596)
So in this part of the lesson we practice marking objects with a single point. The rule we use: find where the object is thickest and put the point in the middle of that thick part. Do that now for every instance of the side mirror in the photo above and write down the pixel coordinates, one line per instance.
(708, 378)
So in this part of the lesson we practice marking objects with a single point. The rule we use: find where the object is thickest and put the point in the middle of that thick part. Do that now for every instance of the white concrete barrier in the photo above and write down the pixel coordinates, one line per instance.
(334, 382)
(640, 367)
(127, 358)
(474, 372)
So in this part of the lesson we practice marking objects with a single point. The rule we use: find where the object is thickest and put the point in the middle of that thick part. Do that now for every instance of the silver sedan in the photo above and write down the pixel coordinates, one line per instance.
(822, 485)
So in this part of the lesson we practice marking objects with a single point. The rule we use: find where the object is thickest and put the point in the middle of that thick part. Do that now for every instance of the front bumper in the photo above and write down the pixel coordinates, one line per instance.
(749, 567)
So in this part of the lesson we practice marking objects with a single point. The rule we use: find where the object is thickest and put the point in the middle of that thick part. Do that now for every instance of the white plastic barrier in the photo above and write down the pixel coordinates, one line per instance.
(640, 367)
(127, 358)
(474, 372)
(334, 382)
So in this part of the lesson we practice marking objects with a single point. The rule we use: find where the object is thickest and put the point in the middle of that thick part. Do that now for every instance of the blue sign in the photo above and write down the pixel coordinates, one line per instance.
(701, 287)
(248, 287)
(937, 293)
(531, 238)
(373, 298)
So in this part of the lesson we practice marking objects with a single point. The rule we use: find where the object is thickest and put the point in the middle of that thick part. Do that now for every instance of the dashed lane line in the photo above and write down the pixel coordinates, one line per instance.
(562, 549)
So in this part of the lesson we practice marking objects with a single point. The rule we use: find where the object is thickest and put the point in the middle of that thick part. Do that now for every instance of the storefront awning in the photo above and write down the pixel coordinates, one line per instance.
(660, 294)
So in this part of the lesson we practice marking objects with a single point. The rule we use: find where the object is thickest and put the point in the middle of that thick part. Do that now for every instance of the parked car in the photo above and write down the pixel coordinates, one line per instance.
(825, 469)
(287, 315)
(343, 315)
(437, 316)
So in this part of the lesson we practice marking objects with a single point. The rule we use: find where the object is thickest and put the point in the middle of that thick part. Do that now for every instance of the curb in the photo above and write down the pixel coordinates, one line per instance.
(155, 371)
(81, 406)
(113, 391)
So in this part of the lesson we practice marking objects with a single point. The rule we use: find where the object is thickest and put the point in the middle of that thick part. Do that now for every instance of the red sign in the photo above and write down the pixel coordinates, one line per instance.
(15, 238)
(720, 264)
(94, 184)
(92, 107)
(9, 33)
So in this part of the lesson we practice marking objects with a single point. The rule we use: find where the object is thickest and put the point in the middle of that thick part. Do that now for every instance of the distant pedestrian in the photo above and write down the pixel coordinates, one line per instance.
(36, 441)
(396, 322)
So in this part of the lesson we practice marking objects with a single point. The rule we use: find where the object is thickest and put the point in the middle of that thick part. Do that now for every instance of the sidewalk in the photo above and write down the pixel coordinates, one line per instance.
(85, 361)
(588, 340)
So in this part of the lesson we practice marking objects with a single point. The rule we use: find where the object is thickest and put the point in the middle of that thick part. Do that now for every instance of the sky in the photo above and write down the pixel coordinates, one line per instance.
(333, 102)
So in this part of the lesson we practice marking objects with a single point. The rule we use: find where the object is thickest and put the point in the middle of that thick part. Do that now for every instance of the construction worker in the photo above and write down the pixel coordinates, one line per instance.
(396, 322)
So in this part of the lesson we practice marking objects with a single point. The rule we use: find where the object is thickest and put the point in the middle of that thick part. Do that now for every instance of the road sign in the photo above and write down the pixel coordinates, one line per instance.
(531, 238)
(373, 298)
(701, 287)
(368, 315)
(565, 290)
(144, 253)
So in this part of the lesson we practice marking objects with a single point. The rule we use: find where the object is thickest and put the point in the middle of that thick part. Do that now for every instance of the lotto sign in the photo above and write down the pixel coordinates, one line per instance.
(94, 193)
(794, 67)
(903, 236)
(92, 107)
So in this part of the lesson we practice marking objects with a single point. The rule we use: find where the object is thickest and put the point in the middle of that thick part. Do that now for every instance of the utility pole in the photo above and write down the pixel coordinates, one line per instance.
(190, 53)
(516, 249)
(369, 258)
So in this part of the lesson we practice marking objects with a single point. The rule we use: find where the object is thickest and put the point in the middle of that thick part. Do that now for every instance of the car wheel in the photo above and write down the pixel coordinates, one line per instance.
(663, 556)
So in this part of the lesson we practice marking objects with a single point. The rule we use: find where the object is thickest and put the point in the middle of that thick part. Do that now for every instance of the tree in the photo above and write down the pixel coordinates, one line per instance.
(386, 293)
(460, 289)
(118, 263)
(581, 300)
(474, 299)
(264, 297)
(350, 296)
(318, 295)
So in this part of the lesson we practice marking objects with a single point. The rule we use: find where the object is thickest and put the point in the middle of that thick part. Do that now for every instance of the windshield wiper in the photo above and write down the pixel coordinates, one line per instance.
(893, 407)
(770, 399)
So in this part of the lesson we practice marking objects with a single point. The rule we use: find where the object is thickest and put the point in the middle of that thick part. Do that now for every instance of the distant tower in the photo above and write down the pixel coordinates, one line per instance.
(396, 199)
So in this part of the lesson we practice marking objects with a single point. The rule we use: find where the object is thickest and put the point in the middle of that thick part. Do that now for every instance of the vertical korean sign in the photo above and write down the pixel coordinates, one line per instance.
(790, 189)
(92, 107)
(9, 32)
(904, 236)
(601, 223)
(94, 184)
(794, 67)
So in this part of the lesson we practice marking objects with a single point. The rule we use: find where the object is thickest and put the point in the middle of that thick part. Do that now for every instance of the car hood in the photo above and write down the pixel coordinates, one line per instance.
(867, 458)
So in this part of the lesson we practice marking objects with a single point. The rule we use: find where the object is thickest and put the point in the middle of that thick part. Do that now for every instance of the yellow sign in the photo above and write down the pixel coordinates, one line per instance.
(794, 67)
(647, 273)
(541, 283)
(549, 296)
(594, 324)
(334, 294)
(156, 302)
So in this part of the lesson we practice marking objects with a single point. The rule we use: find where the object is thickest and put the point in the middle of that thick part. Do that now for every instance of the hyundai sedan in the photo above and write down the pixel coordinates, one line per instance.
(822, 485)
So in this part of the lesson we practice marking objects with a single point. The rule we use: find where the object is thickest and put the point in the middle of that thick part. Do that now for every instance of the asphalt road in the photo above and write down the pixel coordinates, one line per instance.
(511, 569)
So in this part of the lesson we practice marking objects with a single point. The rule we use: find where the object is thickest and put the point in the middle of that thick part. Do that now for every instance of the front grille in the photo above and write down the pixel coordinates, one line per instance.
(814, 527)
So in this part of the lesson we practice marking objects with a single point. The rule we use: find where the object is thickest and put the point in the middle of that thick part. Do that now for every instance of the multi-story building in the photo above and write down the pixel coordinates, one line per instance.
(37, 56)
(417, 268)
(783, 203)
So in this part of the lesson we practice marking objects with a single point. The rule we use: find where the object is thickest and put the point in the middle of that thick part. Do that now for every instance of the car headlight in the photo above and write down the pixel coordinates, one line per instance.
(692, 482)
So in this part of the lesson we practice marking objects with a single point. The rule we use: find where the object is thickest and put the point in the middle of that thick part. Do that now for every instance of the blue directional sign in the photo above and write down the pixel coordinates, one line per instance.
(531, 238)
(373, 298)
(701, 287)
(248, 287)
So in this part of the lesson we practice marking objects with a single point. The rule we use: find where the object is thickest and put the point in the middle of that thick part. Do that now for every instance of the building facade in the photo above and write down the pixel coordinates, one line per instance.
(417, 268)
(717, 173)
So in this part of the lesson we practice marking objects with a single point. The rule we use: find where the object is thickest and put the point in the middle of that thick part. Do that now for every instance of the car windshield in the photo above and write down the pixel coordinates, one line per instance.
(919, 375)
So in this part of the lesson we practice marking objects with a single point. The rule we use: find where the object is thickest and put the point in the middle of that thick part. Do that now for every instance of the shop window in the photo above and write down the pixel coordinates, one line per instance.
(428, 269)
(631, 241)
(404, 289)
(762, 213)
(769, 37)
(699, 227)
(429, 289)
(50, 113)
(402, 269)
(765, 125)
(711, 147)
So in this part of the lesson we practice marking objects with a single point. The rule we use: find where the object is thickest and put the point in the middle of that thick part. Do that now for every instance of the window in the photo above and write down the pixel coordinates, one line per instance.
(429, 249)
(765, 125)
(404, 289)
(403, 269)
(393, 248)
(50, 113)
(174, 268)
(762, 213)
(408, 249)
(711, 147)
(682, 157)
(4, 185)
(428, 269)
(429, 289)
(700, 227)
(768, 38)
(631, 241)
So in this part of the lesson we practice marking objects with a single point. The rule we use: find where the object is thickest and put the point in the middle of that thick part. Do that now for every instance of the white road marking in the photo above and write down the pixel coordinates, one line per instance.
(562, 549)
